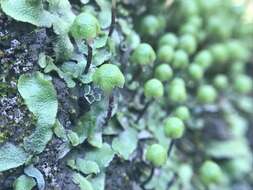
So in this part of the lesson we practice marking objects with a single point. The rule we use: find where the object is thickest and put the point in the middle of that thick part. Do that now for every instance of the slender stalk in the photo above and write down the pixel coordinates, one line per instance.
(172, 142)
(172, 181)
(113, 18)
(89, 59)
(152, 171)
(124, 58)
(111, 97)
(143, 110)
(135, 75)
(109, 110)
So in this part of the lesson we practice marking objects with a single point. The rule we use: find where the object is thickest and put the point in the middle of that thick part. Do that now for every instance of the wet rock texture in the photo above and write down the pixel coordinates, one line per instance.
(20, 45)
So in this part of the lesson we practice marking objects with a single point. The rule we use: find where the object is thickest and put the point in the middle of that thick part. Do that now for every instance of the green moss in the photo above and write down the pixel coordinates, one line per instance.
(3, 137)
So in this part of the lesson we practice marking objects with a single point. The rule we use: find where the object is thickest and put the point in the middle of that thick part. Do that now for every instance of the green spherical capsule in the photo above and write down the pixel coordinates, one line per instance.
(210, 172)
(243, 84)
(174, 128)
(189, 8)
(216, 29)
(196, 21)
(188, 28)
(203, 58)
(168, 39)
(85, 26)
(236, 50)
(206, 94)
(208, 7)
(162, 22)
(178, 82)
(195, 71)
(244, 30)
(220, 81)
(165, 54)
(150, 25)
(156, 154)
(144, 54)
(219, 53)
(153, 88)
(237, 68)
(133, 40)
(183, 113)
(188, 43)
(238, 167)
(163, 72)
(177, 91)
(201, 36)
(180, 60)
(107, 77)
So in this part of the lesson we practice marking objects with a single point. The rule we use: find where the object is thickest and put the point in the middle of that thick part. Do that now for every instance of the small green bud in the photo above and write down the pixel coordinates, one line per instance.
(174, 127)
(162, 22)
(244, 30)
(85, 26)
(236, 50)
(183, 113)
(219, 53)
(243, 84)
(180, 60)
(201, 36)
(178, 81)
(204, 59)
(177, 91)
(196, 21)
(163, 72)
(133, 40)
(188, 28)
(210, 172)
(108, 76)
(220, 81)
(237, 68)
(238, 167)
(188, 43)
(156, 154)
(151, 25)
(195, 71)
(168, 39)
(207, 7)
(189, 8)
(153, 88)
(165, 53)
(143, 54)
(206, 94)
(215, 27)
